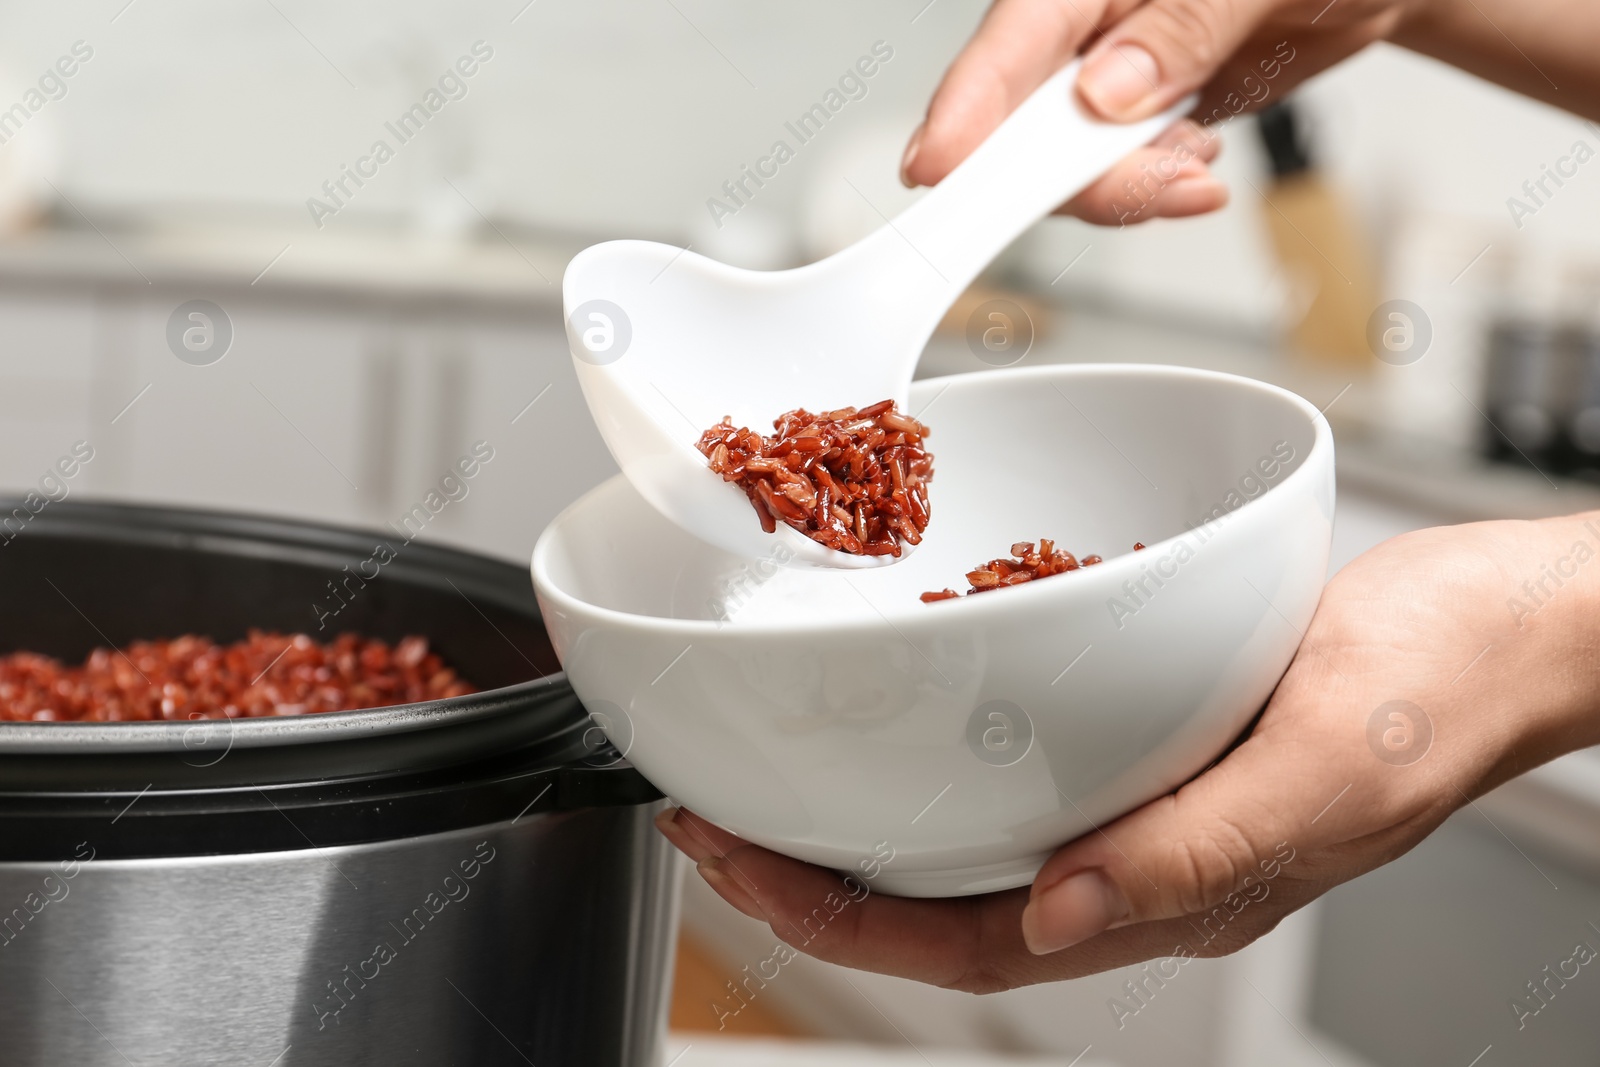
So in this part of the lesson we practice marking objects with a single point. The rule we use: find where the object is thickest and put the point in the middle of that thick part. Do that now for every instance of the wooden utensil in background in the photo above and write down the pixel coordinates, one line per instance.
(1320, 246)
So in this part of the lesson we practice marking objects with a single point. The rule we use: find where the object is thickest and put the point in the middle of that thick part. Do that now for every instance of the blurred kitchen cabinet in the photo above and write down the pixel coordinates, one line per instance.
(343, 409)
(275, 424)
(509, 382)
(46, 358)
(1481, 937)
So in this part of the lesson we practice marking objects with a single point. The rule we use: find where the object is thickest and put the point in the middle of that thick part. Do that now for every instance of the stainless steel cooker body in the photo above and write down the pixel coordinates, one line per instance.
(537, 940)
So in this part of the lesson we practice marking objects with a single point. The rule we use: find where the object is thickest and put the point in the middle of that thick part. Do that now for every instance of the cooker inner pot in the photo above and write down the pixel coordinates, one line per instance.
(79, 575)
(84, 575)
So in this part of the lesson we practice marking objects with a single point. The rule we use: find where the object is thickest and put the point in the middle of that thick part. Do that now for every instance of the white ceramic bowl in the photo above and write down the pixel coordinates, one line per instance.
(834, 717)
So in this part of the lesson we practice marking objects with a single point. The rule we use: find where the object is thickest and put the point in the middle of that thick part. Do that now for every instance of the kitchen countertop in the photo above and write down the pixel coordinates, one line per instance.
(493, 265)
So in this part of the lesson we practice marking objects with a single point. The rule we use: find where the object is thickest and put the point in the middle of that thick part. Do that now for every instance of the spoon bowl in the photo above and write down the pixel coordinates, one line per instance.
(667, 342)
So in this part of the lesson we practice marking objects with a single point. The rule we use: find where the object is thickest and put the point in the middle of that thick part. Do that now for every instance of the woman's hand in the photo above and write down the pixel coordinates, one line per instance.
(1142, 57)
(1437, 666)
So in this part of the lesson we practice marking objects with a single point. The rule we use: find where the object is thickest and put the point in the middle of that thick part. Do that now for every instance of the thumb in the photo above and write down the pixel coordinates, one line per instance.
(1216, 842)
(1161, 51)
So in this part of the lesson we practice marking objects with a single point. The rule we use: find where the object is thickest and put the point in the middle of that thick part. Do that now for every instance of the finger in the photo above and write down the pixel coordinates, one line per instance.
(844, 921)
(934, 941)
(973, 944)
(1187, 937)
(1185, 198)
(695, 837)
(1019, 44)
(1119, 200)
(1167, 179)
(1190, 135)
(1163, 50)
(1212, 842)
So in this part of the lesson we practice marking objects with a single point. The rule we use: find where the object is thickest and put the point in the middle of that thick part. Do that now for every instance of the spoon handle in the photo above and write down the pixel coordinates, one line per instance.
(1047, 151)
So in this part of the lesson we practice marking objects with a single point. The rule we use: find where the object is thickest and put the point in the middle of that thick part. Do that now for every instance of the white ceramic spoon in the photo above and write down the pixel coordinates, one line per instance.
(667, 342)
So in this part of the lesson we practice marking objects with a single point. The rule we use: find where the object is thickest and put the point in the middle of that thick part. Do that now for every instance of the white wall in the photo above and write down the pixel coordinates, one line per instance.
(606, 116)
(624, 116)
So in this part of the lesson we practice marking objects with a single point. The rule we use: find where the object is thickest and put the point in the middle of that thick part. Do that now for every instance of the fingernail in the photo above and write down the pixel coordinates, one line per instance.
(676, 832)
(1072, 911)
(717, 875)
(910, 157)
(1117, 78)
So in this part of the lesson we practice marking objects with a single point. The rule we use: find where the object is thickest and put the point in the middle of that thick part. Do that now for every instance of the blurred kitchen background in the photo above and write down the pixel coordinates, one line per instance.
(1382, 255)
